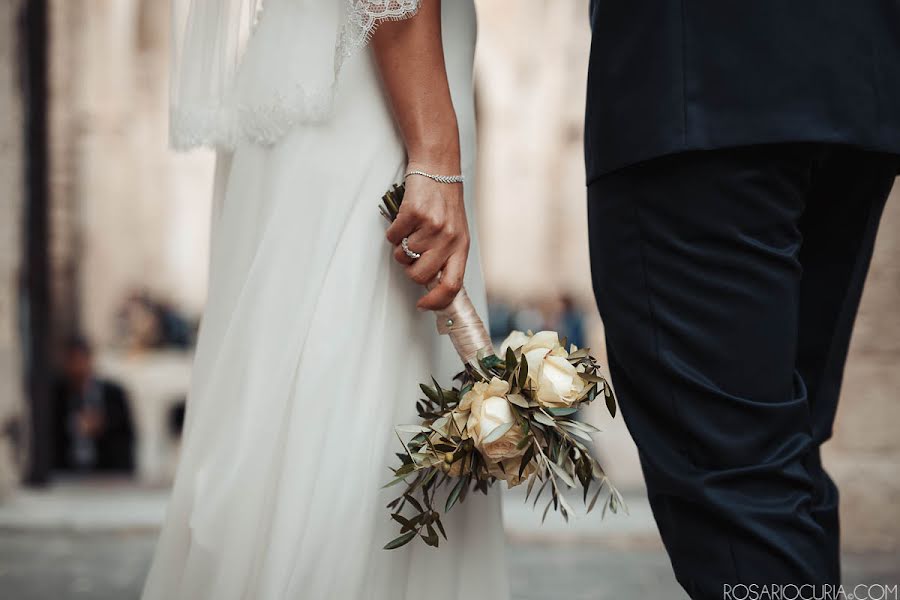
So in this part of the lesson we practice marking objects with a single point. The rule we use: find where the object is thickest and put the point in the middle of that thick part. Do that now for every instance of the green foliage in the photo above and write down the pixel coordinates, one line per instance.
(440, 455)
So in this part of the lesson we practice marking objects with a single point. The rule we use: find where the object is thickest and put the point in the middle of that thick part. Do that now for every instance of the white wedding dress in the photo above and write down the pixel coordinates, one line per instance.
(310, 351)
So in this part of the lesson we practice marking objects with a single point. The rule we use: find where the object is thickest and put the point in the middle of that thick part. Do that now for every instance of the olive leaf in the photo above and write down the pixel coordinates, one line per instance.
(518, 400)
(401, 540)
(411, 428)
(432, 538)
(523, 372)
(561, 473)
(544, 419)
(498, 432)
(526, 458)
(596, 495)
(429, 393)
(563, 412)
(454, 494)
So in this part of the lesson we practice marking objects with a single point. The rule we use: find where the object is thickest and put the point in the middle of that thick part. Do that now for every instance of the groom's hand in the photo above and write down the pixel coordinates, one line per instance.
(433, 217)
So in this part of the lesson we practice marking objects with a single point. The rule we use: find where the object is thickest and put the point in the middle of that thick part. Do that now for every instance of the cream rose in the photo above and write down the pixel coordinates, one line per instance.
(514, 340)
(489, 411)
(556, 381)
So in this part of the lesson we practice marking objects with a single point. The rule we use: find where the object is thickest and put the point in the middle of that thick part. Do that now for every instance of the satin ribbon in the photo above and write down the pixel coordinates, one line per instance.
(467, 332)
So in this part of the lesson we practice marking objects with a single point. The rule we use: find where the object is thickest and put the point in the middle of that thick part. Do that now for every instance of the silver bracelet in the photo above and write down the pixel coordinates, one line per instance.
(438, 178)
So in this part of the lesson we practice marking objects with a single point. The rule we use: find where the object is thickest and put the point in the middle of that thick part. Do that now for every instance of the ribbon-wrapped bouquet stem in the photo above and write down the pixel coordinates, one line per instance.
(511, 416)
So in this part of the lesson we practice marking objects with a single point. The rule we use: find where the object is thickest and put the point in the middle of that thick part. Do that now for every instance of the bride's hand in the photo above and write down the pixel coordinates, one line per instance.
(433, 217)
(410, 57)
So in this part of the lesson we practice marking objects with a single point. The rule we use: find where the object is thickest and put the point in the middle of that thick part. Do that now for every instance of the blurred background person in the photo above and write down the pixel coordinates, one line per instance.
(566, 317)
(93, 430)
(145, 322)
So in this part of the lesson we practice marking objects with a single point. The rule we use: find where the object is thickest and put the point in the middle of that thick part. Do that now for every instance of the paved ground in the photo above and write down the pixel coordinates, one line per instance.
(111, 566)
(95, 543)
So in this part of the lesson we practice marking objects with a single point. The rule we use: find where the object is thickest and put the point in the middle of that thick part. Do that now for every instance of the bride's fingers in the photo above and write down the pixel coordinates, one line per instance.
(401, 257)
(403, 226)
(451, 282)
(426, 268)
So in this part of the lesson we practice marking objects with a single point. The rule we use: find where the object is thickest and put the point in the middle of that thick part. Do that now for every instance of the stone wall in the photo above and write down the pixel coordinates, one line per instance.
(128, 213)
(531, 66)
(11, 170)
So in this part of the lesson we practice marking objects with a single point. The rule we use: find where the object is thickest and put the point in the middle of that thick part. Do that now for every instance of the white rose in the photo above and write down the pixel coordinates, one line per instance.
(556, 381)
(514, 340)
(489, 410)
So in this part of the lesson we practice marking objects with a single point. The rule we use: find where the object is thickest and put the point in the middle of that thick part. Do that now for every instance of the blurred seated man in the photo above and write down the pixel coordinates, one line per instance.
(93, 431)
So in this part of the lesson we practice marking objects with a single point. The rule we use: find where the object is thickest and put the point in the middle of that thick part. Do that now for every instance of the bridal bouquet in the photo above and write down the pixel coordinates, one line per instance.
(510, 417)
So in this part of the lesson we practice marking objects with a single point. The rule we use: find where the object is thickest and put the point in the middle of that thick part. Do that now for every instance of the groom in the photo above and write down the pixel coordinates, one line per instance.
(739, 155)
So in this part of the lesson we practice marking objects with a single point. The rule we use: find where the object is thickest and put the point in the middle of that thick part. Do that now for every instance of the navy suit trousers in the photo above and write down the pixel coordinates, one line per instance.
(728, 282)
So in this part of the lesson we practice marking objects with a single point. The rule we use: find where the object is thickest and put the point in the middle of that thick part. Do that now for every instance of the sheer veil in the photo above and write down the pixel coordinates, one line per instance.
(229, 84)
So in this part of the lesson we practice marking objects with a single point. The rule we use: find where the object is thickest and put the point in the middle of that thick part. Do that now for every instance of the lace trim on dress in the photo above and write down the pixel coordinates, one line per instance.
(364, 18)
(271, 113)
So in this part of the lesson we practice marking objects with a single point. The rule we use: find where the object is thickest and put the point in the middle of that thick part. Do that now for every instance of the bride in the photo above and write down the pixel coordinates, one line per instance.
(311, 346)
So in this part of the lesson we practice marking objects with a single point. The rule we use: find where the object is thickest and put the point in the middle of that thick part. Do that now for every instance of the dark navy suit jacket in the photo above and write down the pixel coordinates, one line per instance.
(668, 76)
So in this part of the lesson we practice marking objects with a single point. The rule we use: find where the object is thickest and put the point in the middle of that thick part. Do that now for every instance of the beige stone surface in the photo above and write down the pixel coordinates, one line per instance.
(11, 169)
(129, 213)
(531, 80)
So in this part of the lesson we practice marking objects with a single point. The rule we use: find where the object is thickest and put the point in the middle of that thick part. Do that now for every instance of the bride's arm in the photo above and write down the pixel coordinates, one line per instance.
(410, 57)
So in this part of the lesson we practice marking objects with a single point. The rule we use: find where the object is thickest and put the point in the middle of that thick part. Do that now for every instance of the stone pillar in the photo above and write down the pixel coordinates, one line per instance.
(531, 75)
(67, 18)
(11, 170)
(128, 214)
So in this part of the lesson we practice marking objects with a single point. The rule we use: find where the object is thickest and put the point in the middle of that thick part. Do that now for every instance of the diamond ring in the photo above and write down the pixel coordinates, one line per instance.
(405, 245)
